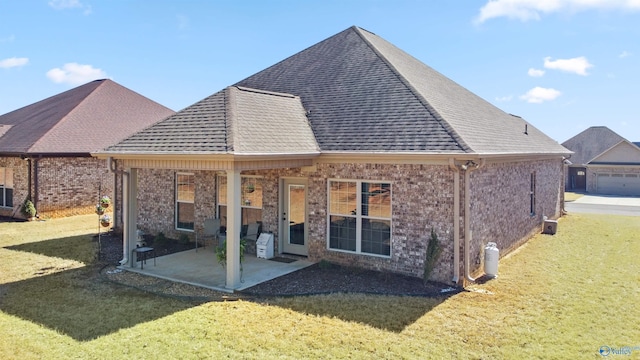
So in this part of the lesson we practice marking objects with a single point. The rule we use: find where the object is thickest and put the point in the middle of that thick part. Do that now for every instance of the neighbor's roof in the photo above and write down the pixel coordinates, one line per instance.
(236, 120)
(592, 143)
(361, 94)
(84, 119)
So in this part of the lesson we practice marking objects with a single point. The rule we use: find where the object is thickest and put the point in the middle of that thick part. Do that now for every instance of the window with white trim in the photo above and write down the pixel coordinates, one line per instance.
(360, 217)
(532, 194)
(250, 202)
(6, 187)
(185, 201)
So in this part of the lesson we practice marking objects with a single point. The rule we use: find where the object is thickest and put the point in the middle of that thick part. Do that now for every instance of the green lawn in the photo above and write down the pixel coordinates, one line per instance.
(561, 296)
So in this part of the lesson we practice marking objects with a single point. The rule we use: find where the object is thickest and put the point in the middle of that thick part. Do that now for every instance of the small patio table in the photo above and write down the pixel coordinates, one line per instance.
(144, 251)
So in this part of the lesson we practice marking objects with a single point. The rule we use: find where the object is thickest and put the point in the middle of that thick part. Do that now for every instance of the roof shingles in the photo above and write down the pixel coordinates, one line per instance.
(81, 120)
(360, 94)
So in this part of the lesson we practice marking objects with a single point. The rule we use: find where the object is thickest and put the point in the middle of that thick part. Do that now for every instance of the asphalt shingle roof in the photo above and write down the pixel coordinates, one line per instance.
(591, 143)
(236, 120)
(361, 94)
(78, 121)
(365, 94)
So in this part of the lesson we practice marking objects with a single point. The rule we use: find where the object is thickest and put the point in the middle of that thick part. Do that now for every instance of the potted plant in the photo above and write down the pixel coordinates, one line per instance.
(105, 220)
(105, 201)
(99, 209)
(28, 209)
(221, 253)
(250, 188)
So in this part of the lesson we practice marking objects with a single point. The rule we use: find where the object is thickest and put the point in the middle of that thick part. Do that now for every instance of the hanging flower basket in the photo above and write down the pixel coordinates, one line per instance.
(105, 220)
(100, 209)
(105, 201)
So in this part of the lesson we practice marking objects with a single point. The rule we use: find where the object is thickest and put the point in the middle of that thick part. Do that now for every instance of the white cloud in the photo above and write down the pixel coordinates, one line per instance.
(504, 98)
(578, 65)
(535, 72)
(624, 54)
(65, 4)
(75, 74)
(13, 62)
(183, 21)
(525, 10)
(70, 4)
(9, 38)
(539, 95)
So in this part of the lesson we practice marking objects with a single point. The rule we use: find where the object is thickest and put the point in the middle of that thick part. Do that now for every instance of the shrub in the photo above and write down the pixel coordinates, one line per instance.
(160, 239)
(28, 209)
(184, 239)
(434, 249)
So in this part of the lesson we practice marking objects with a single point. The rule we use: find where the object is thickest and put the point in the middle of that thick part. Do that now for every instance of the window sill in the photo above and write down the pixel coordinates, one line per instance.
(360, 253)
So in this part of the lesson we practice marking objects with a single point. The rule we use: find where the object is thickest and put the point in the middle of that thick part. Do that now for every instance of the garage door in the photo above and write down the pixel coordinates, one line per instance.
(619, 184)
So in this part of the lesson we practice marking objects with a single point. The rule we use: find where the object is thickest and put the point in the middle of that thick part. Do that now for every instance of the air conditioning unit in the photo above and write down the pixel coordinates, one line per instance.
(550, 227)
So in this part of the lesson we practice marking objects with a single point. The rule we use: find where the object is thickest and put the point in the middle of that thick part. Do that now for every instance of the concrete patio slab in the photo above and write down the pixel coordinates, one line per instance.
(201, 269)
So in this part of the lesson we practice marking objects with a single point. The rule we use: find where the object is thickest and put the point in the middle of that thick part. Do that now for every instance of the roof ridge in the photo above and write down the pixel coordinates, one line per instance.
(66, 116)
(264, 92)
(230, 125)
(450, 130)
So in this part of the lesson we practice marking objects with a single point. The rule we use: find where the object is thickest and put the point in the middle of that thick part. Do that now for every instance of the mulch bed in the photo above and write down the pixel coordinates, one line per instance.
(321, 278)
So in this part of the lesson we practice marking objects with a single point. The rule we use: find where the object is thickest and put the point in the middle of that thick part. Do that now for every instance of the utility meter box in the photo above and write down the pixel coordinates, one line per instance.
(264, 246)
(491, 257)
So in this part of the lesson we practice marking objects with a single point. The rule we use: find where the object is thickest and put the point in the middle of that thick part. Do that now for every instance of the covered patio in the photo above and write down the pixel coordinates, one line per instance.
(201, 269)
(222, 136)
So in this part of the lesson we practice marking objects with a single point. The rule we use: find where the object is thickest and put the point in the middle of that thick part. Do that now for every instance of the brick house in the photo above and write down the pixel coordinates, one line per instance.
(350, 151)
(45, 147)
(603, 163)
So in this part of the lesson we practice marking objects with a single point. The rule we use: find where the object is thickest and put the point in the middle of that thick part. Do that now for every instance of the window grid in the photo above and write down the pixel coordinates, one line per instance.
(185, 198)
(532, 194)
(251, 189)
(360, 217)
(6, 187)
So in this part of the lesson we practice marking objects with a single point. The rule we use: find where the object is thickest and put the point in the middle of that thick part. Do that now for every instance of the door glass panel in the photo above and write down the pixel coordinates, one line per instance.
(296, 214)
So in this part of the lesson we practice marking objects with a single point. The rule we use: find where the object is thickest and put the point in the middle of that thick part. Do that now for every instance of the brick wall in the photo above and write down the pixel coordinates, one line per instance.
(500, 204)
(66, 186)
(156, 201)
(71, 186)
(422, 198)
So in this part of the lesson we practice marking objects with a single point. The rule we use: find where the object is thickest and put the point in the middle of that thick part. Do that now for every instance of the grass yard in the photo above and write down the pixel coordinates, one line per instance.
(561, 297)
(571, 196)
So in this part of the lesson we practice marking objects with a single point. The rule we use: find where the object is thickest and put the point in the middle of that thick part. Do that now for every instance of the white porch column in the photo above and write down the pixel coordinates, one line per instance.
(130, 214)
(234, 225)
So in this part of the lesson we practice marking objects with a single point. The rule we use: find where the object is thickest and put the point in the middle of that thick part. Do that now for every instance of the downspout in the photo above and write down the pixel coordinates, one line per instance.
(29, 179)
(116, 218)
(468, 168)
(36, 198)
(125, 211)
(456, 221)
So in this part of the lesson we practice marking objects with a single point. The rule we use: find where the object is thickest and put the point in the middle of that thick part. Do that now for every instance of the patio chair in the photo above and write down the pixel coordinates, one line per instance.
(211, 229)
(252, 231)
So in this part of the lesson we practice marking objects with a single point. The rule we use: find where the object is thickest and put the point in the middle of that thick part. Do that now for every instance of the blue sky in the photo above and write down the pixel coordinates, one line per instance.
(563, 65)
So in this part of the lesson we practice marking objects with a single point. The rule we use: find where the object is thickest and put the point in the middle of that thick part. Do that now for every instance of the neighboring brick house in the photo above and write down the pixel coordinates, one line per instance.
(350, 151)
(603, 163)
(45, 147)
